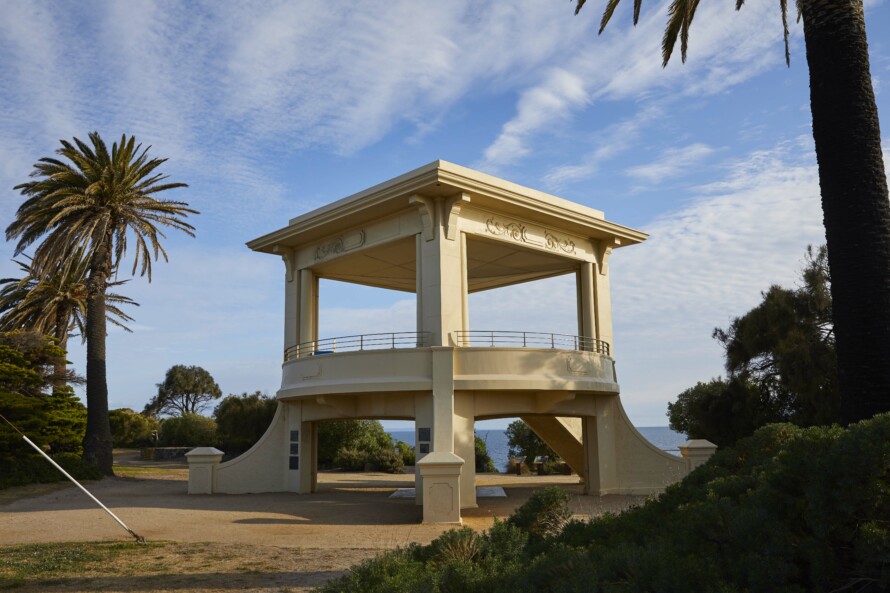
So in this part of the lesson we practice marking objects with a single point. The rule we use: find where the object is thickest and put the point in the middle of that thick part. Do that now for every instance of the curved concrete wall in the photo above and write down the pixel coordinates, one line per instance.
(262, 467)
(644, 468)
(364, 371)
(476, 369)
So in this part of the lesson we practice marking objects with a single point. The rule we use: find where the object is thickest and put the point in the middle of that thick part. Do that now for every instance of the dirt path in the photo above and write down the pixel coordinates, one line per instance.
(256, 542)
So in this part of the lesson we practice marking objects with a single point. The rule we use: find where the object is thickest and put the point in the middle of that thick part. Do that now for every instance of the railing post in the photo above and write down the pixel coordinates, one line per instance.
(524, 343)
(393, 341)
(552, 342)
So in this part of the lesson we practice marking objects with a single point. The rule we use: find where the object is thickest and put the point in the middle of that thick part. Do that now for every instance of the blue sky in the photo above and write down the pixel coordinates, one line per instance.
(269, 110)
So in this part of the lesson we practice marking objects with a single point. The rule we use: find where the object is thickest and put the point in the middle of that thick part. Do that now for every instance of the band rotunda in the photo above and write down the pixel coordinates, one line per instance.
(443, 231)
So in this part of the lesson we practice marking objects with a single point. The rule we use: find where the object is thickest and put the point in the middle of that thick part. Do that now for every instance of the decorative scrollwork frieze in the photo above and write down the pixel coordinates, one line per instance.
(513, 230)
(554, 242)
(334, 247)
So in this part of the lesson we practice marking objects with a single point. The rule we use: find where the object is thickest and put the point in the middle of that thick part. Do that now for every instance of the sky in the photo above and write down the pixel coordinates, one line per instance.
(270, 110)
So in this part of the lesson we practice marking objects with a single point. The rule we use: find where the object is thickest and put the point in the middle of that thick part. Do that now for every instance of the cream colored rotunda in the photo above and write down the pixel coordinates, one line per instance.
(443, 231)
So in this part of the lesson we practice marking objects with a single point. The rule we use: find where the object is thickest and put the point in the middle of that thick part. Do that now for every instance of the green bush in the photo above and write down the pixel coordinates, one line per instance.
(787, 510)
(484, 464)
(189, 430)
(545, 513)
(407, 453)
(129, 429)
(364, 435)
(350, 459)
(242, 420)
(387, 460)
(31, 469)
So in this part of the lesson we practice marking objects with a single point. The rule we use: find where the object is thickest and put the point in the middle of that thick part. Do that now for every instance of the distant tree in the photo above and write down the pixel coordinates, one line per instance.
(781, 361)
(363, 435)
(484, 464)
(131, 429)
(723, 411)
(95, 200)
(524, 442)
(242, 419)
(185, 390)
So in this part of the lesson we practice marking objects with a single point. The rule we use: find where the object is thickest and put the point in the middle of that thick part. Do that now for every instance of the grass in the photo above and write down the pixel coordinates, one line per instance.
(161, 567)
(48, 563)
(10, 495)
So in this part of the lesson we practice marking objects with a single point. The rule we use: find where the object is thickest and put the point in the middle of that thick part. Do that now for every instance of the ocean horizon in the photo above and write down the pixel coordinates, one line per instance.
(499, 450)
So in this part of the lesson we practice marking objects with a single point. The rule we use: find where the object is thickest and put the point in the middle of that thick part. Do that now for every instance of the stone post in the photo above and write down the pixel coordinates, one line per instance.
(696, 452)
(440, 472)
(202, 469)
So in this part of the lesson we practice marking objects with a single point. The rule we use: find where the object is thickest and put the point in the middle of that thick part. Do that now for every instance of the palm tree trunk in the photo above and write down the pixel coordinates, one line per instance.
(854, 200)
(97, 441)
(61, 334)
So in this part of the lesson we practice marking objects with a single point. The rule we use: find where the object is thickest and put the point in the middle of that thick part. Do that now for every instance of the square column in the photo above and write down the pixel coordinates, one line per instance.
(301, 439)
(600, 456)
(423, 439)
(586, 301)
(441, 270)
(603, 305)
(291, 297)
(465, 446)
(308, 287)
(441, 470)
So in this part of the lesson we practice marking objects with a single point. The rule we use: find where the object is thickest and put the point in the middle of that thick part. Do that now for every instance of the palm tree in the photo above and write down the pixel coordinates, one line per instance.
(855, 201)
(55, 304)
(95, 202)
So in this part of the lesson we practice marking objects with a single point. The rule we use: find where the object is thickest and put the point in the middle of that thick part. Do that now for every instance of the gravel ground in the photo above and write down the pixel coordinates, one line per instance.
(301, 541)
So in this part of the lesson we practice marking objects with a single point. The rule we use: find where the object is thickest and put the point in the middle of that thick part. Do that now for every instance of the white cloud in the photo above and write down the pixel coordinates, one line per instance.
(726, 48)
(560, 93)
(670, 163)
(614, 140)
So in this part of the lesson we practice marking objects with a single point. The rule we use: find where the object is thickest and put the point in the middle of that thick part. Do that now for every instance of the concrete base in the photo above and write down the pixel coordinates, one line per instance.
(441, 487)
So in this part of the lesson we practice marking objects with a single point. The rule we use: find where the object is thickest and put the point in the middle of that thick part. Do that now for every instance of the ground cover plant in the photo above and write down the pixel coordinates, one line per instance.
(164, 566)
(787, 509)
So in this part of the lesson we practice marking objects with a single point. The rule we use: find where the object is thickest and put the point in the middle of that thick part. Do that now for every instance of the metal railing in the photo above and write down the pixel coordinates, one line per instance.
(517, 339)
(386, 341)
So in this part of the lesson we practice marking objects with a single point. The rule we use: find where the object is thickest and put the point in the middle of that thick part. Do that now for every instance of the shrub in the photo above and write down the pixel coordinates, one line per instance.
(129, 429)
(31, 469)
(787, 510)
(545, 513)
(484, 464)
(242, 420)
(350, 459)
(387, 460)
(189, 430)
(407, 453)
(364, 435)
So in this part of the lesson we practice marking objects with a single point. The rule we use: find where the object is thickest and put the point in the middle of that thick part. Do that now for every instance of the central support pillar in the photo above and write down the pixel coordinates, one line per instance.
(440, 471)
(465, 446)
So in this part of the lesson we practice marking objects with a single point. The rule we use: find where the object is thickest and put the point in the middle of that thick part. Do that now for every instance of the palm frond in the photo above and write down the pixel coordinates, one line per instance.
(94, 199)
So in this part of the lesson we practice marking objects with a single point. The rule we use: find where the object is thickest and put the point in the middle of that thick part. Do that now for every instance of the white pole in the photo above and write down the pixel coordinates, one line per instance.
(139, 538)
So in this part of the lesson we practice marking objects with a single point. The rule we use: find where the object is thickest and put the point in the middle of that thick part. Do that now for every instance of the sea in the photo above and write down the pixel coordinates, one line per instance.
(496, 441)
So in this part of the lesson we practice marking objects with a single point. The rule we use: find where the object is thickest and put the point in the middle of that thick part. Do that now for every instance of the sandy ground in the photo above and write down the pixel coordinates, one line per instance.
(350, 518)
